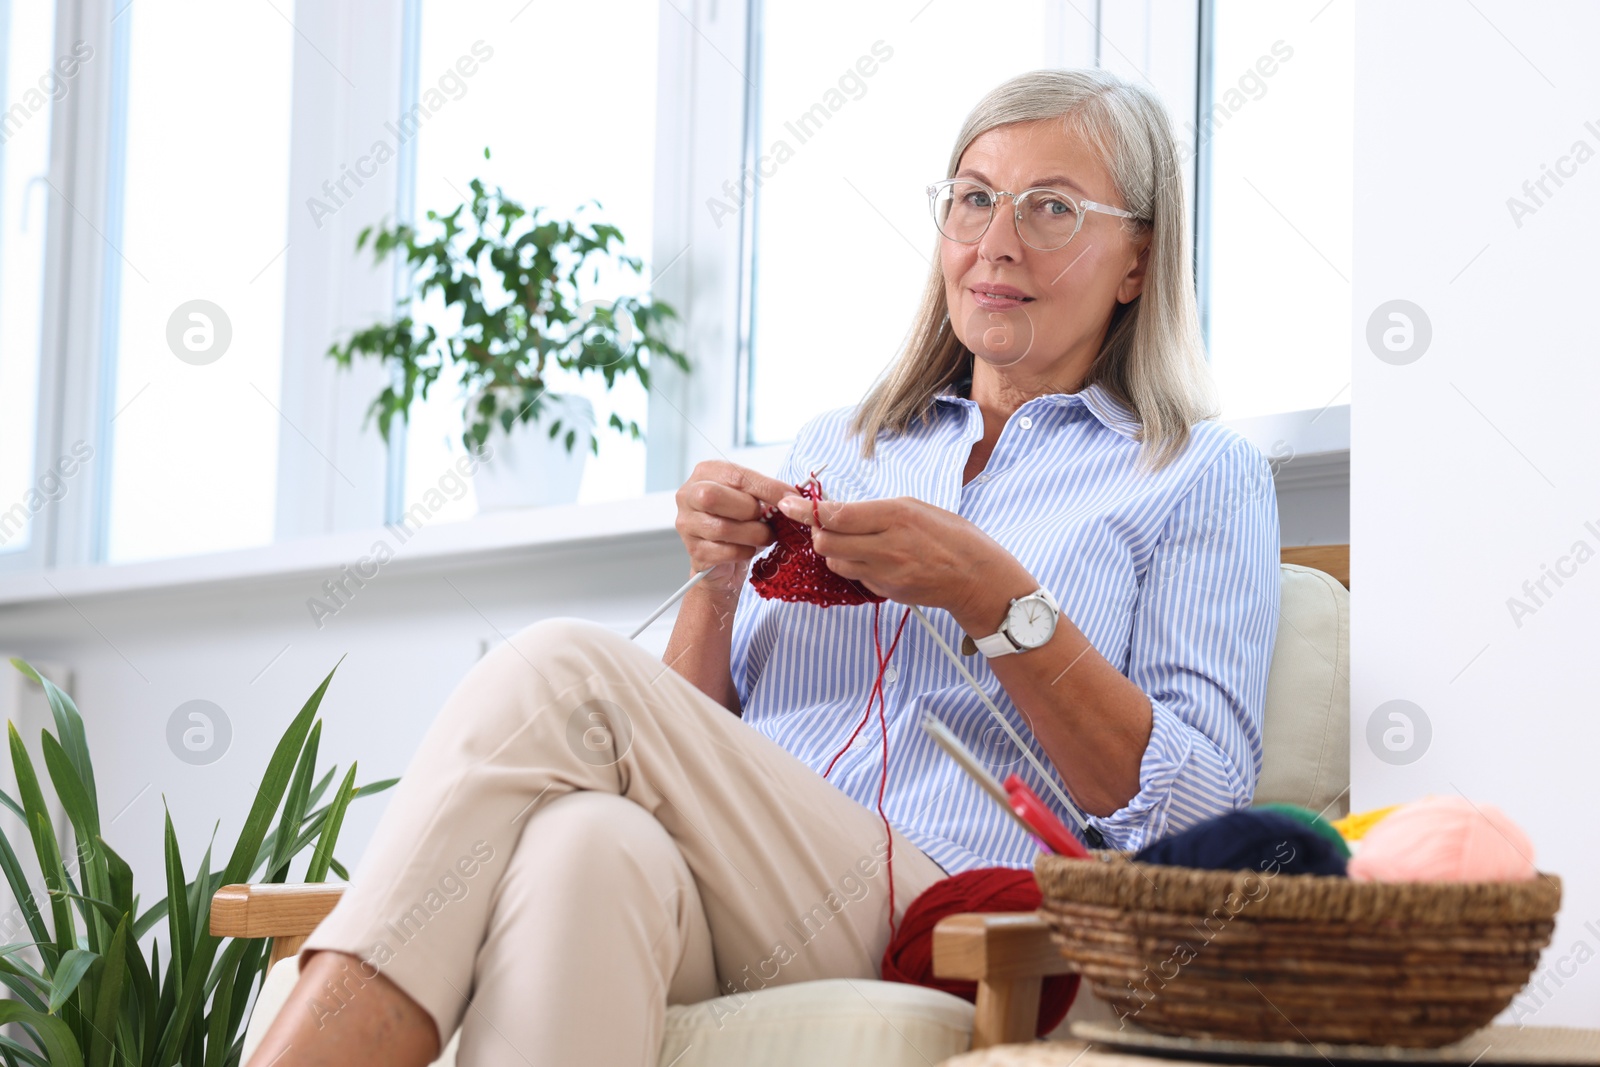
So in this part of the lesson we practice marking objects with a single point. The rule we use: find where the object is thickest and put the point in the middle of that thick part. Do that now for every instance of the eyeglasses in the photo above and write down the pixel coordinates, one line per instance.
(1046, 219)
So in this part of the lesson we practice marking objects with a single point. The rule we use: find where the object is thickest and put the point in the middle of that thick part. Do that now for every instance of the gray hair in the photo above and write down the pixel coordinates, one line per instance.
(1153, 357)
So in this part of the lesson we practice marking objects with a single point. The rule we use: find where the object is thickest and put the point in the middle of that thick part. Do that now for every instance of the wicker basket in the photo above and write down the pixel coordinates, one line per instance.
(1260, 956)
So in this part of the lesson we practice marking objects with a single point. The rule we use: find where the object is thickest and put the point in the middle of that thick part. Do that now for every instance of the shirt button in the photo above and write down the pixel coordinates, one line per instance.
(1026, 422)
(890, 675)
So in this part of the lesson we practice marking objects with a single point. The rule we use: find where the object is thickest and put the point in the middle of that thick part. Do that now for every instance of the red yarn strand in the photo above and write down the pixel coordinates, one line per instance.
(793, 571)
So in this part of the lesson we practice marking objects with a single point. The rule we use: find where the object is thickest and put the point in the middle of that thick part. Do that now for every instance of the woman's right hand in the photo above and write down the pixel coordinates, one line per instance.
(719, 520)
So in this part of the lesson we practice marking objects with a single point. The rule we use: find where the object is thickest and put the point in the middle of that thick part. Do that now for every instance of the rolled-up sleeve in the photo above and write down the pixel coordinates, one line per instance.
(1204, 624)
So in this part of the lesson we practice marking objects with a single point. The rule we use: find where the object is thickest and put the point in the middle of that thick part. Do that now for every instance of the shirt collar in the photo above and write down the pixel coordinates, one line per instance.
(1111, 412)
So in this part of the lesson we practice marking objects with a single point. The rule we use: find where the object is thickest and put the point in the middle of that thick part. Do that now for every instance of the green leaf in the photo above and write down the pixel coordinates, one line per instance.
(273, 785)
(16, 809)
(55, 1037)
(322, 855)
(146, 922)
(37, 814)
(22, 893)
(85, 821)
(28, 984)
(217, 1028)
(252, 965)
(294, 807)
(199, 894)
(106, 910)
(53, 871)
(74, 964)
(108, 998)
(119, 878)
(69, 728)
(24, 1054)
(178, 931)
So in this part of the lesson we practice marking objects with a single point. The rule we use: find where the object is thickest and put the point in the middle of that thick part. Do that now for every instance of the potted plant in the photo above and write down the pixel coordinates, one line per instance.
(514, 278)
(79, 986)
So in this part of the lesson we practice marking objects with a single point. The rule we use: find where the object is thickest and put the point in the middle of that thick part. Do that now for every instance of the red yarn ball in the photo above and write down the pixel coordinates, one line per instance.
(909, 957)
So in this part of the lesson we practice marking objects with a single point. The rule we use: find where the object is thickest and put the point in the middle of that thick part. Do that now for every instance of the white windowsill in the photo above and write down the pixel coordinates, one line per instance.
(1320, 441)
(520, 532)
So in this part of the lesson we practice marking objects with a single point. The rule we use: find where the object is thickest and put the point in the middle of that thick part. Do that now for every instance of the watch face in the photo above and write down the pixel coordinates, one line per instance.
(1030, 622)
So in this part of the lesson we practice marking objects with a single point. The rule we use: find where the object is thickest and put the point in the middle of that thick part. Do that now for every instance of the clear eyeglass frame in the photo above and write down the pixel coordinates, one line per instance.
(1082, 207)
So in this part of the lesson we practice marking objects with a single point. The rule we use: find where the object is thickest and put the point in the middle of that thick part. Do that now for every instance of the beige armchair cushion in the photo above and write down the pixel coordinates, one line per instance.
(1307, 725)
(839, 1022)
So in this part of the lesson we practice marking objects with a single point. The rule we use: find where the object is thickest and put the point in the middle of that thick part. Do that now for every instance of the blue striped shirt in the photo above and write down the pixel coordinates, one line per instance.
(1173, 576)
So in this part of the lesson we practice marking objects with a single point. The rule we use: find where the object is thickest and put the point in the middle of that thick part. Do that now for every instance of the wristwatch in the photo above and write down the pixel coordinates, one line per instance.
(1030, 621)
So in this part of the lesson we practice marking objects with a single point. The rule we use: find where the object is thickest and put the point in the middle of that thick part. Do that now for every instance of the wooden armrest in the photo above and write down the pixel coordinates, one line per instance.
(1329, 559)
(1008, 954)
(997, 945)
(285, 912)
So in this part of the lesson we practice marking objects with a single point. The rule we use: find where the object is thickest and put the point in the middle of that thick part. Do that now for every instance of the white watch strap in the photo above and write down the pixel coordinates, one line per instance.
(996, 644)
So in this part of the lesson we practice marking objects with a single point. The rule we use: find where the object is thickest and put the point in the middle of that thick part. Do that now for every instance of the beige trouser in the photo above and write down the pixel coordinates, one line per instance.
(584, 837)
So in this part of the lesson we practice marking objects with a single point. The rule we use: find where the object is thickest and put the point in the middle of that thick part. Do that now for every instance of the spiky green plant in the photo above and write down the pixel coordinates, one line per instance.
(90, 997)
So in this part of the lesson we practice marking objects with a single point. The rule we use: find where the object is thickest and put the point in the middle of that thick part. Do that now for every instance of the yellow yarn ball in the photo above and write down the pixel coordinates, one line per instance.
(1354, 827)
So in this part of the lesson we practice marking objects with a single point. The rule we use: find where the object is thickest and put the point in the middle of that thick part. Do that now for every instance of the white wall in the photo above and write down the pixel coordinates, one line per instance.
(1474, 466)
(407, 637)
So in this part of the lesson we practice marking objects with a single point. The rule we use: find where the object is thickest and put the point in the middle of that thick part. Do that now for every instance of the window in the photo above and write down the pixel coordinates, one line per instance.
(1275, 236)
(542, 108)
(30, 81)
(707, 133)
(828, 307)
(195, 277)
(831, 303)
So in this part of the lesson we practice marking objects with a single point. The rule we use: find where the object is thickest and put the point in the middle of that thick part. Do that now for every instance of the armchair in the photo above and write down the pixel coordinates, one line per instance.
(842, 1022)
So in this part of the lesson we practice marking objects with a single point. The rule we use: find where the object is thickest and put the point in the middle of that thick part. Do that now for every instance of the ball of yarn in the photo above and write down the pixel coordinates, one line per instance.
(1248, 841)
(909, 956)
(1444, 839)
(1311, 819)
(1357, 824)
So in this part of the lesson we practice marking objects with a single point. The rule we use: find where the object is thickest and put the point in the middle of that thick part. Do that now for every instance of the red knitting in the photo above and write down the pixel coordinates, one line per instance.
(792, 571)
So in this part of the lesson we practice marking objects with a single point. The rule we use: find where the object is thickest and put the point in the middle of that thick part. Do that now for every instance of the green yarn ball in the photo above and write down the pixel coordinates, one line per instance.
(1311, 819)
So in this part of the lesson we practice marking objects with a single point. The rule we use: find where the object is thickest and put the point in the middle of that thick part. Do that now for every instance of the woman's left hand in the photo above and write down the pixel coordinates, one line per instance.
(912, 552)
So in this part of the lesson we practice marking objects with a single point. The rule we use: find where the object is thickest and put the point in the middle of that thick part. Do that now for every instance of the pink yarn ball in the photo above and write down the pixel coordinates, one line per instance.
(1444, 839)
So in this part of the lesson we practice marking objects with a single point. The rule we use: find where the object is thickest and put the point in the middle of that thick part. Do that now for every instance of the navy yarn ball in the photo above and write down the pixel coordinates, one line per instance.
(1248, 841)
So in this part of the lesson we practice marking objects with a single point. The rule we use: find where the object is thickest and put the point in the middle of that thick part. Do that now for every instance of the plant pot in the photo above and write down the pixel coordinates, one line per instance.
(527, 468)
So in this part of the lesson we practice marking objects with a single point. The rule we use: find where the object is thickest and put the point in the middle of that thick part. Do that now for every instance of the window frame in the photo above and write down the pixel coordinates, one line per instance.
(57, 532)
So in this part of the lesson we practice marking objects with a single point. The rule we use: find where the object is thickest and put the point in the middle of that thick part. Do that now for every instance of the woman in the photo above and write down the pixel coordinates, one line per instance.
(588, 834)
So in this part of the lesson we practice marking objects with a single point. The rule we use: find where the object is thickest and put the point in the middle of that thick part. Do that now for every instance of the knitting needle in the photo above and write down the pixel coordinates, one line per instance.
(1049, 779)
(671, 600)
(1027, 752)
(690, 584)
(958, 752)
